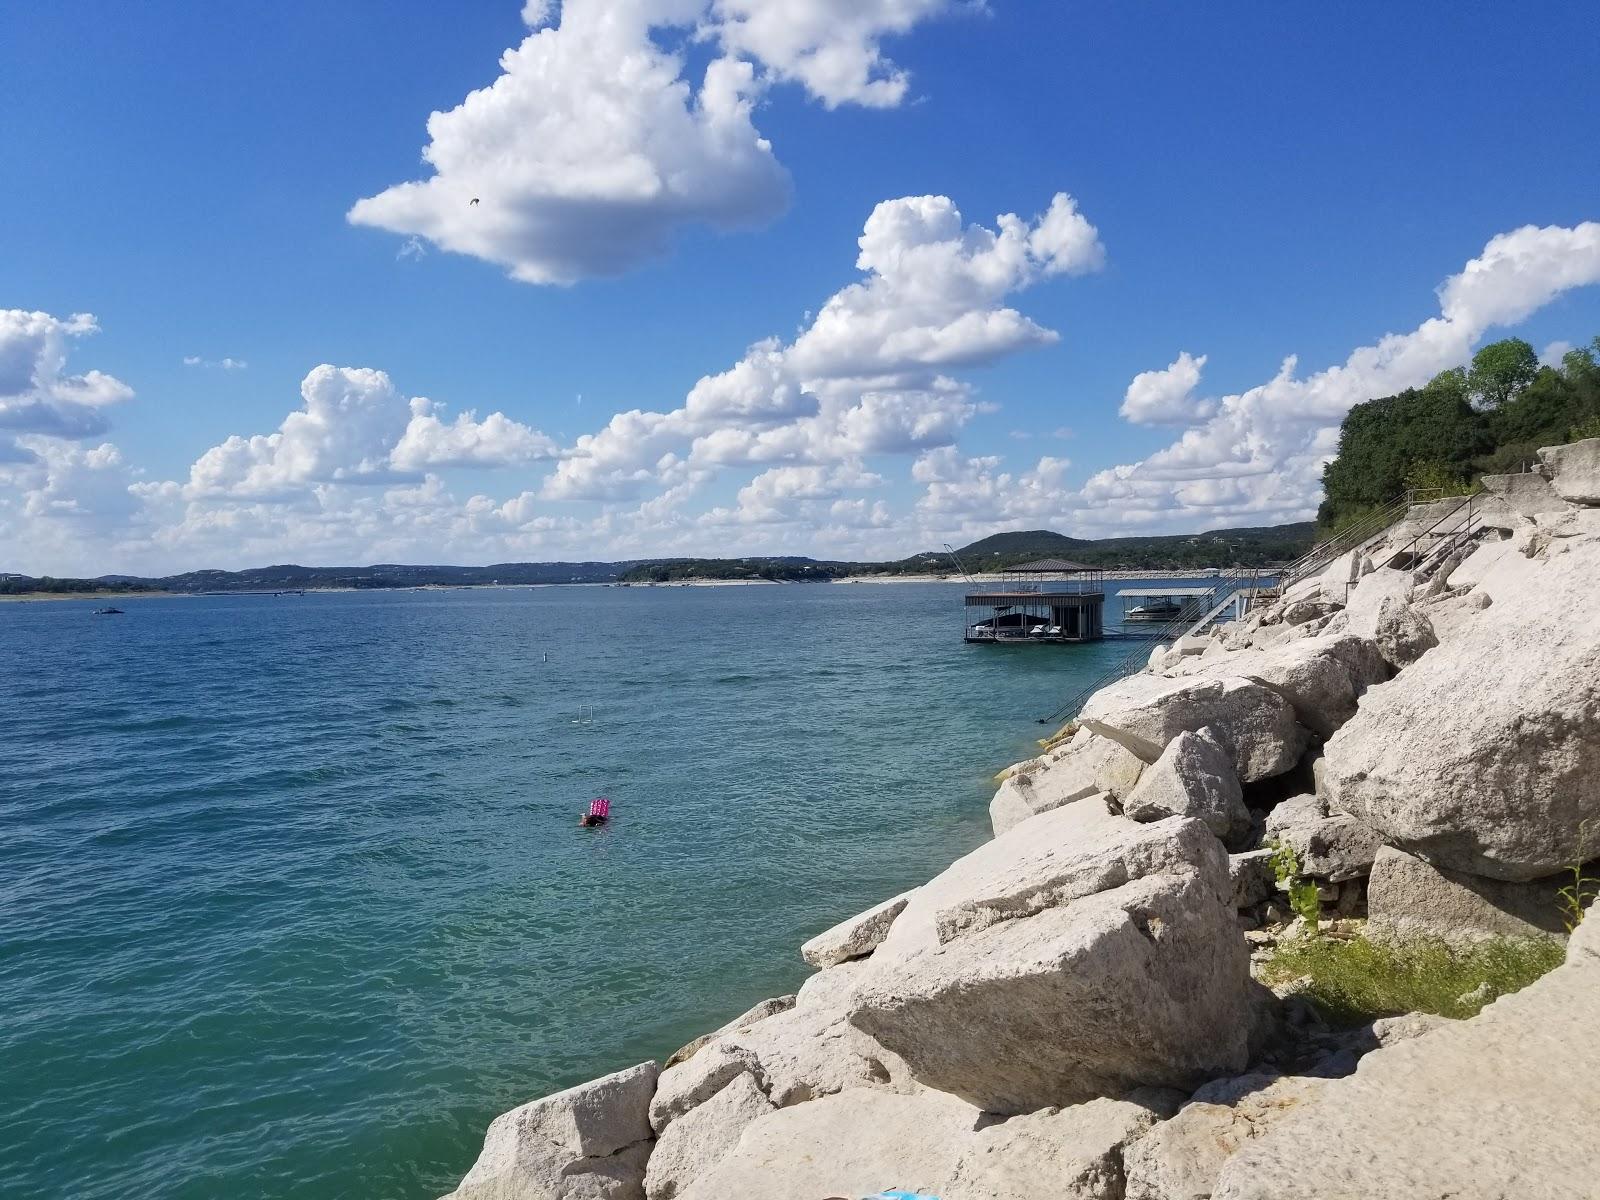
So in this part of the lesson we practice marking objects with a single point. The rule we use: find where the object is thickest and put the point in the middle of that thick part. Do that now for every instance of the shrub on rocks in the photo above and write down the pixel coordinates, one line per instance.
(1501, 1105)
(1354, 980)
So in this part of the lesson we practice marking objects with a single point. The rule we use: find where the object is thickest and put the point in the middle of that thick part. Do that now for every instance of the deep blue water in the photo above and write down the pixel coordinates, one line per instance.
(292, 900)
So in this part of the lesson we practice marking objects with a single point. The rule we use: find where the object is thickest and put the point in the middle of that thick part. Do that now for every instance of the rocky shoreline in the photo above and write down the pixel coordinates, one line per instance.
(1402, 750)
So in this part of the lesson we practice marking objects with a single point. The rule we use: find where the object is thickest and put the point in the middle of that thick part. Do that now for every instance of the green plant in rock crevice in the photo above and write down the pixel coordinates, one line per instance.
(1575, 897)
(1303, 898)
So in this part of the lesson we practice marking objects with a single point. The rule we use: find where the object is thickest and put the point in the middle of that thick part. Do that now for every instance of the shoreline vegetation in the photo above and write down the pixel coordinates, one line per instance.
(1171, 556)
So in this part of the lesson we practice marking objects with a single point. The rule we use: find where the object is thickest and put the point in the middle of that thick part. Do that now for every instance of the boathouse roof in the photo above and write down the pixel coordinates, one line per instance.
(1048, 566)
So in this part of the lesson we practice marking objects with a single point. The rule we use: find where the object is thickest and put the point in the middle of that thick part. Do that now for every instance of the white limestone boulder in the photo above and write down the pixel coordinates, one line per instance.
(758, 1012)
(1322, 678)
(1180, 1159)
(1484, 755)
(1574, 470)
(808, 1051)
(1193, 778)
(1404, 633)
(1499, 1106)
(1409, 898)
(1083, 956)
(1087, 765)
(851, 1144)
(1055, 1154)
(694, 1145)
(1251, 876)
(1254, 724)
(1527, 493)
(1367, 598)
(586, 1143)
(1331, 846)
(854, 937)
(861, 1142)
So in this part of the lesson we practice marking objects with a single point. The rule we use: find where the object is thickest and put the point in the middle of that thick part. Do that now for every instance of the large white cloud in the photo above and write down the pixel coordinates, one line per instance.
(790, 451)
(593, 149)
(1261, 455)
(830, 46)
(354, 426)
(1166, 397)
(37, 394)
(868, 375)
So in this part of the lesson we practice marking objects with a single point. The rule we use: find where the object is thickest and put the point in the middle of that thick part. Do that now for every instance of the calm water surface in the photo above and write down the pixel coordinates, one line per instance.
(292, 901)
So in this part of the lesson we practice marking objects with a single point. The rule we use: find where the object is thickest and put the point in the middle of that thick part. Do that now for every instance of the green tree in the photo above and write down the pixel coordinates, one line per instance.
(1500, 371)
(1382, 441)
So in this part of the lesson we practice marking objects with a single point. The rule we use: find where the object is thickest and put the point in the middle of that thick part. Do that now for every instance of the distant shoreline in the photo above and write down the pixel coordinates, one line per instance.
(987, 578)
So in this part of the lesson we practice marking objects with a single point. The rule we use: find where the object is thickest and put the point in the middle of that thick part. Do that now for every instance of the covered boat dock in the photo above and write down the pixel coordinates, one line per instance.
(1050, 600)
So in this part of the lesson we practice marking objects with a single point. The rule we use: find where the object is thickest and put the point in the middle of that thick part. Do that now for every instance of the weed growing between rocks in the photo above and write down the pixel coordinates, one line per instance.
(1355, 980)
(1582, 889)
(1303, 898)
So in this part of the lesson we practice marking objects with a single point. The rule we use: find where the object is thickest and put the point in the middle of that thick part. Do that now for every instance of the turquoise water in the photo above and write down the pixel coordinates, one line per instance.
(292, 900)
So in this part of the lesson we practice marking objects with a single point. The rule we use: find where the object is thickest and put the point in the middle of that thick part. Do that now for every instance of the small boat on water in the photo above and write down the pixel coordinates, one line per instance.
(108, 612)
(1155, 610)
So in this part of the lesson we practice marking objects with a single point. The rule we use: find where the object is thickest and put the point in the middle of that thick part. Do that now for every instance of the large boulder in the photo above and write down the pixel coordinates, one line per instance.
(1193, 778)
(1087, 765)
(1409, 898)
(1332, 846)
(1499, 1106)
(1574, 470)
(854, 937)
(861, 1142)
(1083, 955)
(1484, 755)
(851, 1144)
(1252, 876)
(1254, 724)
(1054, 1154)
(586, 1143)
(1322, 678)
(1367, 599)
(758, 1012)
(1404, 633)
(1180, 1159)
(1527, 492)
(809, 1051)
(694, 1145)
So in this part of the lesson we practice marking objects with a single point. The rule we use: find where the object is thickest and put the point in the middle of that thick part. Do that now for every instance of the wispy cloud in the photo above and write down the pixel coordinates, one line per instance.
(221, 364)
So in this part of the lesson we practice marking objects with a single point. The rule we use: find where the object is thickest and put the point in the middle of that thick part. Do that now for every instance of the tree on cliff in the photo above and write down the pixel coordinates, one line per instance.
(1486, 419)
(1500, 371)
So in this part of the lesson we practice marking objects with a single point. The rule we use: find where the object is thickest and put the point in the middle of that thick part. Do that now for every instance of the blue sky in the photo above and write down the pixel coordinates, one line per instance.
(1246, 183)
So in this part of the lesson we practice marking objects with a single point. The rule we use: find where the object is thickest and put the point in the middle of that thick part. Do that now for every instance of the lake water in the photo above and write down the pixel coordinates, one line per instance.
(292, 900)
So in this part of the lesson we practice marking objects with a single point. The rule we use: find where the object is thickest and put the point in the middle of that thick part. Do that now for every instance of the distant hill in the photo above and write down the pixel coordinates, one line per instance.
(1249, 547)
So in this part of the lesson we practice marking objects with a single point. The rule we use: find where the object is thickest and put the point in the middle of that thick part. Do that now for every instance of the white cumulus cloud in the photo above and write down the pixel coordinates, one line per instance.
(354, 426)
(829, 46)
(1261, 454)
(37, 394)
(869, 373)
(1166, 397)
(593, 147)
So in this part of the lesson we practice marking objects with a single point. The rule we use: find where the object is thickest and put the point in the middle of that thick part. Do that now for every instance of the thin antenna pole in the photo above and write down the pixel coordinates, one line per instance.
(960, 566)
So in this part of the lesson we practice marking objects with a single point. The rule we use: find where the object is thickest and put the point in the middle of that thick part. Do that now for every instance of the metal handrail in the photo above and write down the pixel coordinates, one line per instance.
(1352, 535)
(1130, 662)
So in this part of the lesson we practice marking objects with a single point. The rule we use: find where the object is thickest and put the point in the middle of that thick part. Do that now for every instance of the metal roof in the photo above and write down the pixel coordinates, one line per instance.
(1043, 566)
(1167, 591)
